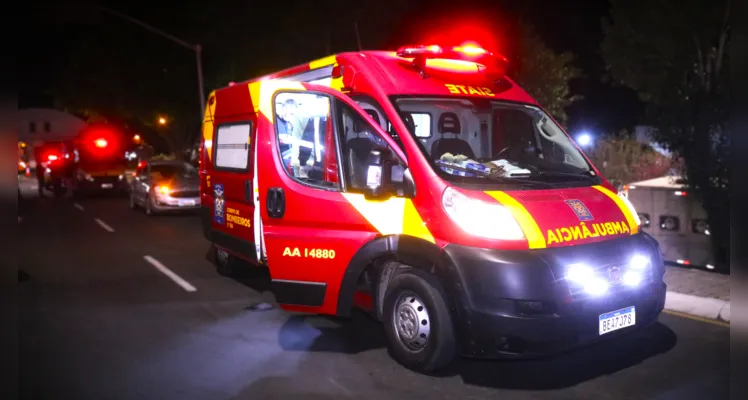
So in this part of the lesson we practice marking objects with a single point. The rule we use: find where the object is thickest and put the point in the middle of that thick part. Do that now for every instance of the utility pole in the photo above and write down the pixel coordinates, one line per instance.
(194, 47)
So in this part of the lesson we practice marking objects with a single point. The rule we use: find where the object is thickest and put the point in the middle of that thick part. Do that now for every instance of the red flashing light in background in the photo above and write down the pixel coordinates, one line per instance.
(101, 143)
(52, 157)
(471, 50)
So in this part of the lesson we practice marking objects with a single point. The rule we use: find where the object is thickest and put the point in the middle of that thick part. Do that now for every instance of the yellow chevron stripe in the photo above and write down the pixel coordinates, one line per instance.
(529, 227)
(393, 216)
(633, 227)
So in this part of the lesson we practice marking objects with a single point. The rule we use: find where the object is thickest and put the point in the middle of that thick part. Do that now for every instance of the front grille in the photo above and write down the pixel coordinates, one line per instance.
(185, 193)
(602, 269)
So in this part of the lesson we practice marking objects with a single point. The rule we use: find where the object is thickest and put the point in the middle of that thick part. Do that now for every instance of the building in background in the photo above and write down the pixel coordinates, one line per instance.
(38, 125)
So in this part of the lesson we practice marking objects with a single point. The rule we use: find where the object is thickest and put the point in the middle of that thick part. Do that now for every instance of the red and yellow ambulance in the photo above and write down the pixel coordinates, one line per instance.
(428, 188)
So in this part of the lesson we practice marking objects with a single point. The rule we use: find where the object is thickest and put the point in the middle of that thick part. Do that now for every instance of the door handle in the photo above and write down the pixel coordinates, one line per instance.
(276, 202)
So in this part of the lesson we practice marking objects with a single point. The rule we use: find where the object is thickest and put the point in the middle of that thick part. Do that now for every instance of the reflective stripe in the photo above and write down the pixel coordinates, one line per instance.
(530, 228)
(413, 224)
(624, 208)
(322, 62)
(393, 216)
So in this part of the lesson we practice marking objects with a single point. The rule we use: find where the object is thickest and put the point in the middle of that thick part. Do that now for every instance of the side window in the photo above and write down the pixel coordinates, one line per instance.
(422, 122)
(700, 226)
(669, 223)
(358, 139)
(306, 138)
(232, 146)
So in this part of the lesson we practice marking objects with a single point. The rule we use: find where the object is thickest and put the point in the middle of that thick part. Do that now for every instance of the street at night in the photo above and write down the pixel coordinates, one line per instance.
(418, 199)
(103, 322)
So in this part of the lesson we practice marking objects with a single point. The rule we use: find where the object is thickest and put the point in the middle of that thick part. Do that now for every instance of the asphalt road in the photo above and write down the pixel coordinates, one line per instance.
(99, 321)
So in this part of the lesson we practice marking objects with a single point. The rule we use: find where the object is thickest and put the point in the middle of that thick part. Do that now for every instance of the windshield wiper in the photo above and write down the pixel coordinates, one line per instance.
(498, 178)
(568, 174)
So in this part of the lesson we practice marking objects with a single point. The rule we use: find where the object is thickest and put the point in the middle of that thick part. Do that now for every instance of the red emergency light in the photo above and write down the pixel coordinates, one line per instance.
(101, 143)
(52, 157)
(494, 64)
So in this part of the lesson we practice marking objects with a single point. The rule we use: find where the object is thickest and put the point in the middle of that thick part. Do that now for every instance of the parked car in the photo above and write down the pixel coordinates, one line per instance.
(165, 185)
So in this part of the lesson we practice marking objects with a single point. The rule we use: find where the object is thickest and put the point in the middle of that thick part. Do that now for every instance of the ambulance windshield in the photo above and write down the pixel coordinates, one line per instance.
(468, 139)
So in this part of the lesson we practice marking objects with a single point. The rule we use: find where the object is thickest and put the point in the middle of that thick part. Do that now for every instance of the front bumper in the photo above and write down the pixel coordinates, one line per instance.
(168, 203)
(518, 303)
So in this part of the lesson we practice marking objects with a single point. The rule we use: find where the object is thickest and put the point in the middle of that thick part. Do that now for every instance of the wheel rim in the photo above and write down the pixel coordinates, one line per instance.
(412, 322)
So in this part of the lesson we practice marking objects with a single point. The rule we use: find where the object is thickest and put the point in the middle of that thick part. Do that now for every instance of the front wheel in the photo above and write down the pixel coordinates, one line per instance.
(417, 322)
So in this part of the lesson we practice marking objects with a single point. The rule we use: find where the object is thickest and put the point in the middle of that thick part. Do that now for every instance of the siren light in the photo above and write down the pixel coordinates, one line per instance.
(101, 143)
(493, 62)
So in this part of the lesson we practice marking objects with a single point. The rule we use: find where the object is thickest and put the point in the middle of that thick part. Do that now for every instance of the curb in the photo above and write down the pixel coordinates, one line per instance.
(704, 307)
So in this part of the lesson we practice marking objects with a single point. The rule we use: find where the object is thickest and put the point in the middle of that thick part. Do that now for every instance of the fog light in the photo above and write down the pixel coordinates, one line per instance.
(596, 286)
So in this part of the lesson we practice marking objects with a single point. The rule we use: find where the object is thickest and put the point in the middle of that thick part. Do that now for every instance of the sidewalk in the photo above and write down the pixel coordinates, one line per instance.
(696, 292)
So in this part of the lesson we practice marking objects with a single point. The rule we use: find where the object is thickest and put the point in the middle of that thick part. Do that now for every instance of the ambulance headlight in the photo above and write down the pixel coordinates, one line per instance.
(631, 208)
(579, 273)
(479, 218)
(583, 276)
(639, 262)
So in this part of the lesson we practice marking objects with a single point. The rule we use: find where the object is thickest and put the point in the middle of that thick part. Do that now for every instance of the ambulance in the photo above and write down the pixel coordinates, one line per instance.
(427, 188)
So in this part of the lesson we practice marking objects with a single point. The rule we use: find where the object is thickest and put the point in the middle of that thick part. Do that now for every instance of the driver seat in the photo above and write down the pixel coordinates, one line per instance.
(449, 122)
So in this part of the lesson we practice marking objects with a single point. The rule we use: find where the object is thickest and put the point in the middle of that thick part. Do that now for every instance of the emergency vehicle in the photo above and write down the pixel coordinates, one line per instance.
(673, 215)
(100, 160)
(429, 189)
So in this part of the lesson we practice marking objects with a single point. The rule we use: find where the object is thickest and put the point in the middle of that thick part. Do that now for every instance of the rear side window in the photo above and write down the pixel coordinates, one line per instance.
(669, 223)
(422, 122)
(232, 146)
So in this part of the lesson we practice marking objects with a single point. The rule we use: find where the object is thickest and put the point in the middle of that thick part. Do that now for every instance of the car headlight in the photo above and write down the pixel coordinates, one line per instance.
(631, 208)
(479, 218)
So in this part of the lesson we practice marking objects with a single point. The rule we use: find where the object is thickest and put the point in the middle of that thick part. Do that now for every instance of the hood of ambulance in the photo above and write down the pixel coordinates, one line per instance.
(566, 217)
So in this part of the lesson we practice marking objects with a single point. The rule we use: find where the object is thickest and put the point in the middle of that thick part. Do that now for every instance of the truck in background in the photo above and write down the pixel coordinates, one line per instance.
(675, 218)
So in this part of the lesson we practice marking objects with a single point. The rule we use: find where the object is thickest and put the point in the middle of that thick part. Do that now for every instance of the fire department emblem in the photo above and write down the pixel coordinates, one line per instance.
(580, 209)
(219, 212)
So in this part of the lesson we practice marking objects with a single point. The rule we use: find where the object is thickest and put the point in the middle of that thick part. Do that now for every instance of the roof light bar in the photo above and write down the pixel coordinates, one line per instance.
(495, 63)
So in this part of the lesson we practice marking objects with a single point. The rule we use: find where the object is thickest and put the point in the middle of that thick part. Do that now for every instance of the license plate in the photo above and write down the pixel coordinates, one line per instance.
(186, 202)
(618, 319)
(107, 185)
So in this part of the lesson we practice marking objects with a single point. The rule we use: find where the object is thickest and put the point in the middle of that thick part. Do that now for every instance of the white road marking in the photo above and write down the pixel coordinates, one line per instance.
(78, 206)
(166, 271)
(104, 225)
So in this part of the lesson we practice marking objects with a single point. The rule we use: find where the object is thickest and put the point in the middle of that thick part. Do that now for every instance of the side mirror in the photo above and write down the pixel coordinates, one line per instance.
(386, 178)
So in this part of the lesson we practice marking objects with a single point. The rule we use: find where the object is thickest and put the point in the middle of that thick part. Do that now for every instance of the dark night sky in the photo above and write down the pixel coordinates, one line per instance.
(227, 29)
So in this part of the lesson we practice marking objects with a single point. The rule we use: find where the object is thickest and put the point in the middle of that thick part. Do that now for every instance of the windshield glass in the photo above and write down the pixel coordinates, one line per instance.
(483, 139)
(171, 171)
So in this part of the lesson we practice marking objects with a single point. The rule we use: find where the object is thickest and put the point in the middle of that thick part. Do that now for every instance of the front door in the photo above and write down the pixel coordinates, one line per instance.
(312, 224)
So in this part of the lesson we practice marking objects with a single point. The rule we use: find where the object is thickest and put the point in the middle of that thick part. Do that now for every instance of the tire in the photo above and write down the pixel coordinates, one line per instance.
(149, 206)
(226, 264)
(58, 190)
(417, 322)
